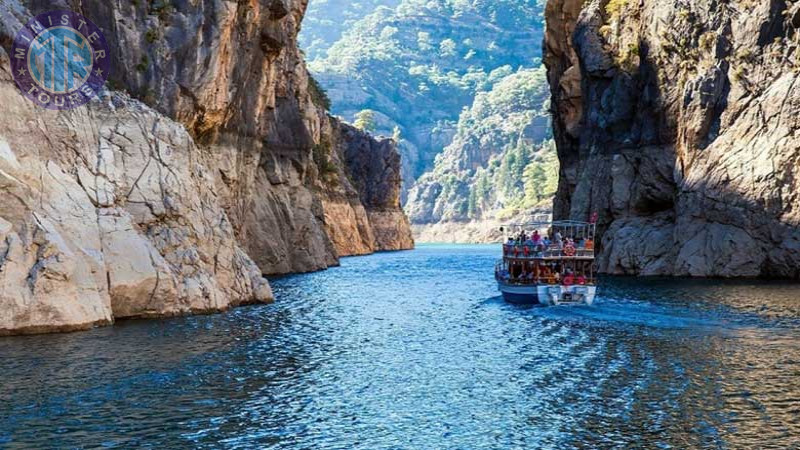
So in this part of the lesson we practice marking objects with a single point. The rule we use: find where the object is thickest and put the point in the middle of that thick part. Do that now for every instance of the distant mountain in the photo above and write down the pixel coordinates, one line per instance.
(326, 21)
(502, 161)
(417, 63)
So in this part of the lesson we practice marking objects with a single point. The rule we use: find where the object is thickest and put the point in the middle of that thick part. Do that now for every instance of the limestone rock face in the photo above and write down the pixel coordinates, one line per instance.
(678, 123)
(222, 171)
(109, 212)
(375, 172)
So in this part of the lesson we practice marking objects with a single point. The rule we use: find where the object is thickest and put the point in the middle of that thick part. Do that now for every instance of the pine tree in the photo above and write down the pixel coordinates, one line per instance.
(365, 121)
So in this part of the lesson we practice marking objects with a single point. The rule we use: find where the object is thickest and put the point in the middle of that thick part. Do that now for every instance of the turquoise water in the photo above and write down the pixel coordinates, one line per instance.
(416, 350)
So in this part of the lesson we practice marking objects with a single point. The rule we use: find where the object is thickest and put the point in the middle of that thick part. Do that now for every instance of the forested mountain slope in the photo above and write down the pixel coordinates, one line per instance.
(327, 20)
(501, 163)
(419, 63)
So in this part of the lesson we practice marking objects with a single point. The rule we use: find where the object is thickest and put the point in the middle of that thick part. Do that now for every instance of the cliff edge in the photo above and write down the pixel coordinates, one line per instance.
(679, 124)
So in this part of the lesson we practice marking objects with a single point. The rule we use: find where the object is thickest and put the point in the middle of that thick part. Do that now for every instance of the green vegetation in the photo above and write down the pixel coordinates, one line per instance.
(318, 94)
(418, 62)
(327, 20)
(321, 153)
(143, 64)
(161, 8)
(628, 59)
(707, 40)
(615, 7)
(151, 35)
(502, 160)
(467, 106)
(365, 121)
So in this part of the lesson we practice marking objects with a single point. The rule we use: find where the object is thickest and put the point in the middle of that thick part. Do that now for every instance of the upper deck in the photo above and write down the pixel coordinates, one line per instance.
(552, 253)
(547, 240)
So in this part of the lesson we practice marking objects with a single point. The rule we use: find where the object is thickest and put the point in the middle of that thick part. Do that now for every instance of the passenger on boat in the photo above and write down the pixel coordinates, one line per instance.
(589, 244)
(569, 279)
(581, 280)
(536, 237)
(546, 274)
(516, 270)
(559, 239)
(530, 277)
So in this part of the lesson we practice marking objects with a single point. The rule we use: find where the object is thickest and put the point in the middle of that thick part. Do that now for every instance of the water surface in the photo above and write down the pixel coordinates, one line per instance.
(416, 350)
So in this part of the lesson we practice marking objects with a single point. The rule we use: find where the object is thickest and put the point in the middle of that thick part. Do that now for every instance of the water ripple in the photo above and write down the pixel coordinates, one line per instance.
(416, 350)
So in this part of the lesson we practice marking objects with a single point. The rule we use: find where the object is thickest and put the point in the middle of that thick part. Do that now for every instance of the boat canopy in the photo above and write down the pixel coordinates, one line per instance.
(573, 229)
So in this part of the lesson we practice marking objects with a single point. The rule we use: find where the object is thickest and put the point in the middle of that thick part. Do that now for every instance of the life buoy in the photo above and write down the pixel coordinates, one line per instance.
(525, 251)
(569, 250)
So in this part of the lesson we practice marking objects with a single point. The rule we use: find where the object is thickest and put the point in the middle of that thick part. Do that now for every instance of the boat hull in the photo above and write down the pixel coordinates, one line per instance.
(520, 295)
(547, 294)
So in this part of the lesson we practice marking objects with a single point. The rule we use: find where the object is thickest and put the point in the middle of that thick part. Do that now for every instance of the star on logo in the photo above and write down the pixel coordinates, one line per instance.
(22, 72)
(98, 72)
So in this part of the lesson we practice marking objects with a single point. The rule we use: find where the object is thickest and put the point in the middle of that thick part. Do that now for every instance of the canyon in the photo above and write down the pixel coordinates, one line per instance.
(206, 165)
(210, 160)
(678, 123)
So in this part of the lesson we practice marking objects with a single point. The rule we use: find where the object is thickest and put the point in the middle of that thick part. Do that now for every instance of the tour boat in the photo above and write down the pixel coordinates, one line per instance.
(540, 270)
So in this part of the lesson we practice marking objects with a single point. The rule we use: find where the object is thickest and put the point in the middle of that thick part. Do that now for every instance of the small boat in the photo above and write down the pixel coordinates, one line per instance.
(554, 265)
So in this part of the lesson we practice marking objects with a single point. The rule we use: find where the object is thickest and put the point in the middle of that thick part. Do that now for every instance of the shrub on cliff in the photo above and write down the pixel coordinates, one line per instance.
(318, 94)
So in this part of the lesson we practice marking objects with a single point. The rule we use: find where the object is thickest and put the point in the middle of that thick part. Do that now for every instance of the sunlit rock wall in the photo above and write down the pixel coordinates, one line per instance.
(205, 167)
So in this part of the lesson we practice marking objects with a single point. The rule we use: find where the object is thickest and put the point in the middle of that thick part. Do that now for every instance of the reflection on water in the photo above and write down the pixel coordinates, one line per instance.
(415, 350)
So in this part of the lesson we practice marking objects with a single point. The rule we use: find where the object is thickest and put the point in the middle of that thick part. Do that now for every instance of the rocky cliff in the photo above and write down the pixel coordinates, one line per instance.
(679, 123)
(218, 168)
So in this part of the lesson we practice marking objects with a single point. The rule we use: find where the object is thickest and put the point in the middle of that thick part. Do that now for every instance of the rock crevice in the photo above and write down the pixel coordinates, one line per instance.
(677, 122)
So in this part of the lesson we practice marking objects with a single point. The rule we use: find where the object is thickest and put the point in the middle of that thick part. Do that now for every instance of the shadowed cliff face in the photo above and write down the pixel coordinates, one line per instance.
(678, 123)
(226, 170)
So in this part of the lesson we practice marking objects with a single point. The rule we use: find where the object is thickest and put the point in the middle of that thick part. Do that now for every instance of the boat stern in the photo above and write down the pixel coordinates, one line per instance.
(568, 295)
(550, 295)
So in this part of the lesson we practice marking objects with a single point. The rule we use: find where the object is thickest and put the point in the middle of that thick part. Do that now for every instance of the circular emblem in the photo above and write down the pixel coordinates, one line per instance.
(60, 60)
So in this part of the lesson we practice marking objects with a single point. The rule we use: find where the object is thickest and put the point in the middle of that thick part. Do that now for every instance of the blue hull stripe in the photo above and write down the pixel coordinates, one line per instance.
(521, 299)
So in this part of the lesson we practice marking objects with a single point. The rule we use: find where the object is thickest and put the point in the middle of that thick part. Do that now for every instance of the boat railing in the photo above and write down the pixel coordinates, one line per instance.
(545, 281)
(502, 275)
(553, 251)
